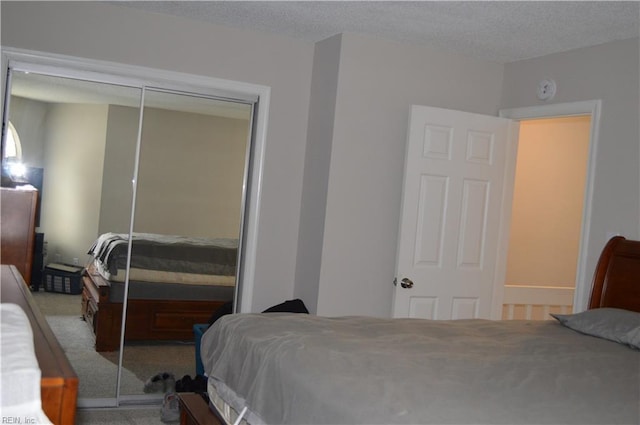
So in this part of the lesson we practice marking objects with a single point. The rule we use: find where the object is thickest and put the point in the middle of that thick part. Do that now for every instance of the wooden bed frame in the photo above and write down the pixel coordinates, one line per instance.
(616, 280)
(59, 382)
(147, 320)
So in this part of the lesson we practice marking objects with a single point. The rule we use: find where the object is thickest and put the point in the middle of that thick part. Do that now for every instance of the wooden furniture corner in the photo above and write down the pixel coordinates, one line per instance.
(18, 211)
(195, 411)
(59, 382)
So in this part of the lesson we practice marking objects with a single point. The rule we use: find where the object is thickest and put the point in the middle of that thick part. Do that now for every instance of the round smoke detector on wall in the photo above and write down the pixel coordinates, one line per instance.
(546, 89)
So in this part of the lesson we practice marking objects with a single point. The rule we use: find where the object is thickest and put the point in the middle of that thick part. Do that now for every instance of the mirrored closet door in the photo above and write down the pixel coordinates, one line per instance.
(142, 198)
(75, 148)
(186, 232)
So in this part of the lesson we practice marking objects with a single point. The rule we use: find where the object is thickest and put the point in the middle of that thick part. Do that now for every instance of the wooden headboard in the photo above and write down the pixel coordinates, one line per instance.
(616, 281)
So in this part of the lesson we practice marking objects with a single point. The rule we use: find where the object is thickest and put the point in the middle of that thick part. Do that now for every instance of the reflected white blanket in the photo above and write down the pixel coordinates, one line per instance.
(20, 372)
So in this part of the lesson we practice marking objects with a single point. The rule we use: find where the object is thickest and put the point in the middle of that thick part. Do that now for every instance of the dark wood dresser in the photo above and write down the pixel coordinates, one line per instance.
(18, 210)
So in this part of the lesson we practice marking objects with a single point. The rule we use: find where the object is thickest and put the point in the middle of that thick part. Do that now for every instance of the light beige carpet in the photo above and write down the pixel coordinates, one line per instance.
(149, 359)
(96, 374)
(119, 416)
(55, 304)
(144, 360)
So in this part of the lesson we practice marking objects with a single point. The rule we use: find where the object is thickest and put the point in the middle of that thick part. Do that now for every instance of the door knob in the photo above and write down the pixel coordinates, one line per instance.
(405, 282)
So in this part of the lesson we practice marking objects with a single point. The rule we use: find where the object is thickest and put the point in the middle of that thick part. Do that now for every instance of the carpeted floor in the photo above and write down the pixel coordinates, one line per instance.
(147, 360)
(97, 371)
(51, 303)
(141, 361)
(132, 416)
(97, 375)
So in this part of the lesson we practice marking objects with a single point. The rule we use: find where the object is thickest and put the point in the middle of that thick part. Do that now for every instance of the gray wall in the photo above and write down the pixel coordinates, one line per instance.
(120, 34)
(608, 72)
(358, 139)
(378, 80)
(29, 119)
(324, 88)
(74, 147)
(119, 164)
(190, 173)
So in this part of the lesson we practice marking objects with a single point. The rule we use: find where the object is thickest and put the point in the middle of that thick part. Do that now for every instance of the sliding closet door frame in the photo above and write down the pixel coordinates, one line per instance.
(57, 72)
(136, 170)
(141, 78)
(135, 76)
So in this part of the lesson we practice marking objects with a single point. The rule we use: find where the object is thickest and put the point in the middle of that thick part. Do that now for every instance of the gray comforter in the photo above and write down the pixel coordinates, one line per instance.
(301, 369)
(167, 253)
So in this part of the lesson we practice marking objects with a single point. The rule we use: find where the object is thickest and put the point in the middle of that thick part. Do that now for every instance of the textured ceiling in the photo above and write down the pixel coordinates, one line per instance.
(491, 30)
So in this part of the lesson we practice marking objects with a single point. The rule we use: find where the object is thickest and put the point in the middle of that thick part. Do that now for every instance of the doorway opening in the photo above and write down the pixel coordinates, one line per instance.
(576, 300)
(548, 203)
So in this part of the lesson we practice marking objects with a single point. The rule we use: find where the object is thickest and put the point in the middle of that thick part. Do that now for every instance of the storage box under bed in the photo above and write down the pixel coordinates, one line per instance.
(63, 278)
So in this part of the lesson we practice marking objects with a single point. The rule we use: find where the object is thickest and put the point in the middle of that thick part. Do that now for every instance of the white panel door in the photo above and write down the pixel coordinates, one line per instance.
(454, 199)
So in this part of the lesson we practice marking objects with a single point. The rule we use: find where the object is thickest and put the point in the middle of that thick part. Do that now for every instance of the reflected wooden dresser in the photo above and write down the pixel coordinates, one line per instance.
(18, 230)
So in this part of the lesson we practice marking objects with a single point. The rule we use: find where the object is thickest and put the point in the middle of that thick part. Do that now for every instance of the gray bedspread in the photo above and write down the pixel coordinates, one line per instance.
(167, 253)
(302, 369)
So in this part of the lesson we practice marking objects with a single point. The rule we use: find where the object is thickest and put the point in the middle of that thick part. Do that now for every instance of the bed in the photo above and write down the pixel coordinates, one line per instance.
(582, 368)
(174, 283)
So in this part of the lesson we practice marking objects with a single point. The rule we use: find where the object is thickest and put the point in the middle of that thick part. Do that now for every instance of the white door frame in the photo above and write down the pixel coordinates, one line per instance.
(589, 107)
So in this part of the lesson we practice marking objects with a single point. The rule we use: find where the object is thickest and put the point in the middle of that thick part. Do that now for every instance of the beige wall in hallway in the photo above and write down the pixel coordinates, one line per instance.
(548, 201)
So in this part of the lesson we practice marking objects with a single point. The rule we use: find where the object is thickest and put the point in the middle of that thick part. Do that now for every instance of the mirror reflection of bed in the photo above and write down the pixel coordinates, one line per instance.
(175, 282)
(188, 205)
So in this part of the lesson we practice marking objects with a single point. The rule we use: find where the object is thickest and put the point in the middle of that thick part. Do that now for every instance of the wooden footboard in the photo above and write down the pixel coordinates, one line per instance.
(147, 320)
